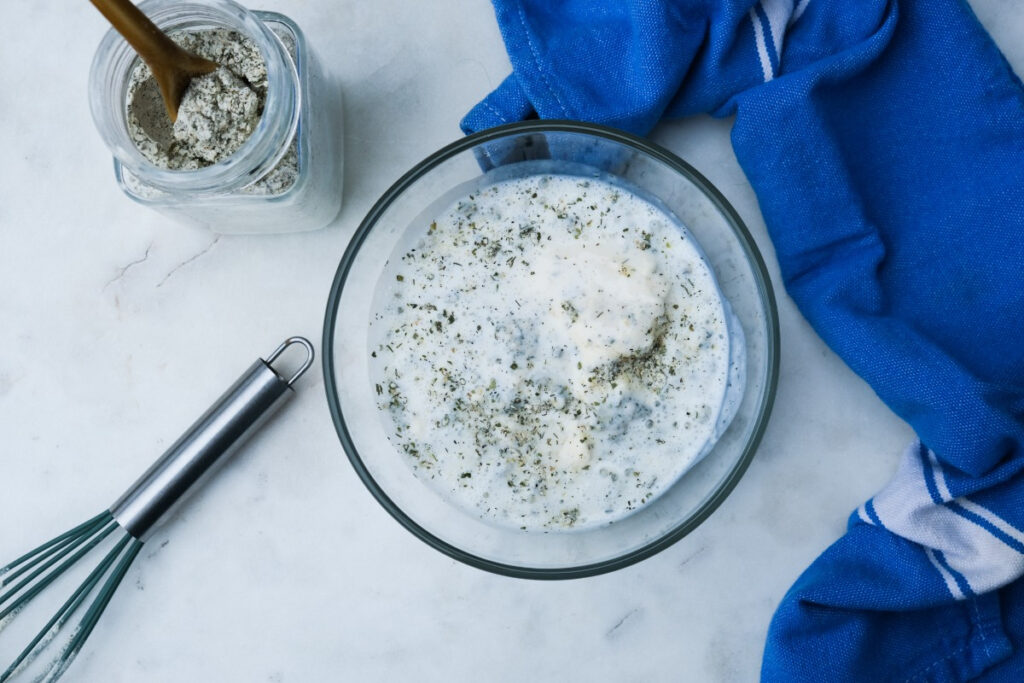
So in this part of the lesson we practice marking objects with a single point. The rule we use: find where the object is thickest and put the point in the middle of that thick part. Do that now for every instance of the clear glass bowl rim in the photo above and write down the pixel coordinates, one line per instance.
(765, 290)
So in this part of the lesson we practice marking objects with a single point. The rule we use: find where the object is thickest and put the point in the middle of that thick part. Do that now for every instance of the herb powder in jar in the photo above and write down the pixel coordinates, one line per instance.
(217, 114)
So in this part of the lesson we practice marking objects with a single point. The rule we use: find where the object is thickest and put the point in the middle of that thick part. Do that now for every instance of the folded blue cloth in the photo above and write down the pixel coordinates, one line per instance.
(885, 141)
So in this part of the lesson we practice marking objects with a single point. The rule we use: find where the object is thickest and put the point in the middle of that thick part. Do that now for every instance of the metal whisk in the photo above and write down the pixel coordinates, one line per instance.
(129, 522)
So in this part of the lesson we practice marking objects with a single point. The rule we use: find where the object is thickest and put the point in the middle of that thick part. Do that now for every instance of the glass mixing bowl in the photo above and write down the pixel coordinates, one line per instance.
(406, 210)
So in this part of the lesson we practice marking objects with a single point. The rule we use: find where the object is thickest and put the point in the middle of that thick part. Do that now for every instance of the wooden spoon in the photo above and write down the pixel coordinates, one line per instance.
(173, 67)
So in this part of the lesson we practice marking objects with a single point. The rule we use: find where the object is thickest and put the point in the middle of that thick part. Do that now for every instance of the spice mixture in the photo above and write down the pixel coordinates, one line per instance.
(218, 113)
(553, 352)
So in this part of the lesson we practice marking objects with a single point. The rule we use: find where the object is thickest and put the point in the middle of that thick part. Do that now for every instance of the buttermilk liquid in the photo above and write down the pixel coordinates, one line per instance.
(553, 352)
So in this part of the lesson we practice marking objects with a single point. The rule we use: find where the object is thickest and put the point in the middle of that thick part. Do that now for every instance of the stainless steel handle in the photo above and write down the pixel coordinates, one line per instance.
(207, 444)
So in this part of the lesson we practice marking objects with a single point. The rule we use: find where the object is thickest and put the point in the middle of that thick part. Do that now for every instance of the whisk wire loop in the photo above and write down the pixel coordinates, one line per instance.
(67, 609)
(51, 552)
(96, 609)
(37, 554)
(45, 566)
(45, 579)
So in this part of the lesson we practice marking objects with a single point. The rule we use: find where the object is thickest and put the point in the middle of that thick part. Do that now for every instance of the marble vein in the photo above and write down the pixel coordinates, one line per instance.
(131, 264)
(629, 615)
(189, 260)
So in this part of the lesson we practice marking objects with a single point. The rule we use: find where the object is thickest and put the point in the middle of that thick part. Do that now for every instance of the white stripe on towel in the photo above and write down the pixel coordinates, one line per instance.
(778, 13)
(940, 477)
(762, 48)
(798, 12)
(992, 518)
(862, 512)
(969, 505)
(951, 584)
(905, 507)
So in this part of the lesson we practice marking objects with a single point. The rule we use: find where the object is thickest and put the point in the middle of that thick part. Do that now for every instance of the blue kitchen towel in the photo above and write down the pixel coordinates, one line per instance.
(885, 141)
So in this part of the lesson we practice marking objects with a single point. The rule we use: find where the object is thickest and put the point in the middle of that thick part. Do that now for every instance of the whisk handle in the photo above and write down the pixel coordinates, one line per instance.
(207, 444)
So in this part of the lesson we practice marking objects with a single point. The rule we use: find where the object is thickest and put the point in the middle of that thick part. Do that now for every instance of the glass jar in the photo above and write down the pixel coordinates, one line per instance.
(301, 109)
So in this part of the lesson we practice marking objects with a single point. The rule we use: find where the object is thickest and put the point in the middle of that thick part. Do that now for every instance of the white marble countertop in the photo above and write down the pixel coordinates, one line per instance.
(117, 327)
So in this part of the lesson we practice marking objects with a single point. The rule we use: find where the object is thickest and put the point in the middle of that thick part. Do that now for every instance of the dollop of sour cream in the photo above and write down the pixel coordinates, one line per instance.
(553, 352)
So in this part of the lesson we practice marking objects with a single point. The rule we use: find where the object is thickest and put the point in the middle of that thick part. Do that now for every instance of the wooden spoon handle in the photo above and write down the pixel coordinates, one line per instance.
(150, 42)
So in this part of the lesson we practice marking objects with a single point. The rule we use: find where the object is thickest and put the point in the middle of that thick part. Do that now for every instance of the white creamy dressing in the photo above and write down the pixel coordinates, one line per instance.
(554, 353)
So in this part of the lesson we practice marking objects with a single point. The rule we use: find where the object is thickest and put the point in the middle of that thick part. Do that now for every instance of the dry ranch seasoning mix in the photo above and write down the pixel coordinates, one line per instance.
(257, 144)
(553, 353)
(217, 114)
